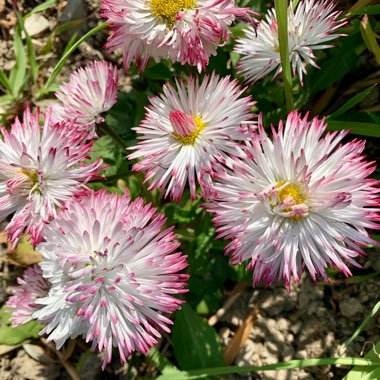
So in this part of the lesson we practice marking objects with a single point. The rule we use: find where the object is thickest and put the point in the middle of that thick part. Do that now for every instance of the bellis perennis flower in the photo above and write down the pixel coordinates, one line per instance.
(186, 31)
(301, 200)
(113, 270)
(41, 167)
(189, 131)
(23, 301)
(90, 91)
(309, 28)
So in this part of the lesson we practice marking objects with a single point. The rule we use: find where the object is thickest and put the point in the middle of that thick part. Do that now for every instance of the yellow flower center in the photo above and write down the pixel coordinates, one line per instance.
(292, 191)
(32, 174)
(23, 182)
(290, 199)
(190, 139)
(168, 9)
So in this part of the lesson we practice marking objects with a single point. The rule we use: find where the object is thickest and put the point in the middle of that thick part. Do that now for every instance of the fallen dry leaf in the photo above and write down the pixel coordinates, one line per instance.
(5, 348)
(24, 254)
(236, 343)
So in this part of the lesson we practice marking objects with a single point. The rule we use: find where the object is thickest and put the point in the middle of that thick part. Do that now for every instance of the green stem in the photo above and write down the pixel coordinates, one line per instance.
(62, 61)
(106, 129)
(281, 7)
(291, 364)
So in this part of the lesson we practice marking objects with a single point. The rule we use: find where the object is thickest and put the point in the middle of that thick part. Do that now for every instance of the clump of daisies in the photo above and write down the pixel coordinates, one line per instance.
(189, 130)
(185, 31)
(89, 92)
(42, 166)
(310, 27)
(301, 200)
(112, 270)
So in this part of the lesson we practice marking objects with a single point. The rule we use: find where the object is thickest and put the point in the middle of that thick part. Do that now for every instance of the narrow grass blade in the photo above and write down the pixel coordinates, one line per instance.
(41, 7)
(291, 364)
(18, 72)
(356, 127)
(58, 67)
(5, 82)
(31, 53)
(351, 103)
(374, 310)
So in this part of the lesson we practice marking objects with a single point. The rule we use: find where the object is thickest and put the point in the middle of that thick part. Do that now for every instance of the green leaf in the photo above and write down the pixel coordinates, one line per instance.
(195, 343)
(368, 372)
(344, 60)
(161, 362)
(112, 155)
(371, 10)
(71, 42)
(5, 99)
(291, 364)
(31, 53)
(121, 117)
(159, 71)
(375, 118)
(68, 25)
(355, 127)
(351, 103)
(15, 335)
(18, 72)
(41, 7)
(369, 38)
(5, 82)
(58, 67)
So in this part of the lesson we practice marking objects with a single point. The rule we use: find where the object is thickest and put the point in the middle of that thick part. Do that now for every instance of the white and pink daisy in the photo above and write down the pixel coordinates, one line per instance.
(41, 167)
(114, 270)
(303, 200)
(23, 301)
(185, 31)
(309, 28)
(90, 91)
(189, 131)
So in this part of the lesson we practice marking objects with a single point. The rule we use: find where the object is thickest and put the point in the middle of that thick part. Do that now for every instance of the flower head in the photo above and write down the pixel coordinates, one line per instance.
(189, 131)
(113, 270)
(301, 200)
(90, 91)
(185, 31)
(309, 28)
(41, 167)
(31, 287)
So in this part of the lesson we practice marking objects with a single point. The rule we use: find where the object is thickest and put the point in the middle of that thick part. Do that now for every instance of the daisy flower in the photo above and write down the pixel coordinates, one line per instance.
(189, 130)
(90, 91)
(113, 270)
(303, 200)
(23, 301)
(41, 167)
(309, 28)
(185, 31)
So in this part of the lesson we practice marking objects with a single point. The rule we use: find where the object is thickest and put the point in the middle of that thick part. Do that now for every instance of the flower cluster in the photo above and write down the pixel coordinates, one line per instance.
(111, 269)
(185, 31)
(309, 28)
